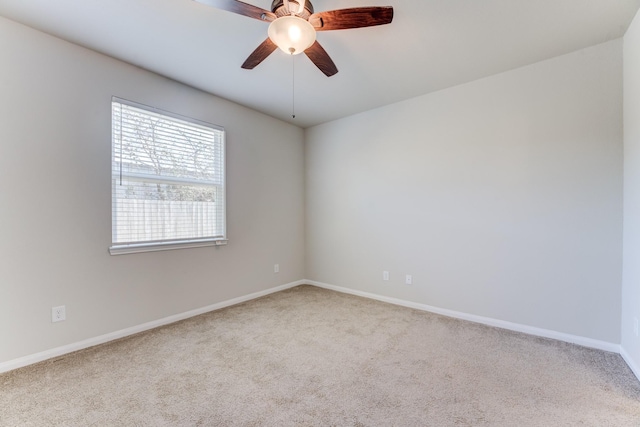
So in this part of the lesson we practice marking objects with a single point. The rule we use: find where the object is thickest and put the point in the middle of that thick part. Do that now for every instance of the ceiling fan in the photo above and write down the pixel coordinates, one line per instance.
(293, 26)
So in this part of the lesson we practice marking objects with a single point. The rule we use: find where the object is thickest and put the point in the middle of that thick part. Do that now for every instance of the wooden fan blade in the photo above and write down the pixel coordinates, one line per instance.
(320, 57)
(357, 17)
(265, 49)
(241, 8)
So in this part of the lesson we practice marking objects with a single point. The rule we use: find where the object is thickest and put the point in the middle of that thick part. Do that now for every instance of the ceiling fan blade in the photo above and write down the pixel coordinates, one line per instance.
(241, 8)
(357, 17)
(320, 57)
(265, 49)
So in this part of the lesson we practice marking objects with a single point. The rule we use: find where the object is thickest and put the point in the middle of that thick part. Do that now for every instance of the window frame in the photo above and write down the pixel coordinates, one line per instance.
(167, 244)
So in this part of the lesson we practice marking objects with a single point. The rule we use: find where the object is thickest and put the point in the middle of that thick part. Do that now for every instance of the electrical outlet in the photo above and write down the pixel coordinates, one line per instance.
(409, 279)
(276, 268)
(58, 314)
(385, 275)
(635, 326)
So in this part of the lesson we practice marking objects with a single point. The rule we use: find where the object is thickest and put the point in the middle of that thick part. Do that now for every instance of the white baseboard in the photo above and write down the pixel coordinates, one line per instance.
(60, 351)
(627, 358)
(546, 333)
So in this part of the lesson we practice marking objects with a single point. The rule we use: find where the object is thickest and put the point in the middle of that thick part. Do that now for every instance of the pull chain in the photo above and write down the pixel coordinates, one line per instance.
(293, 86)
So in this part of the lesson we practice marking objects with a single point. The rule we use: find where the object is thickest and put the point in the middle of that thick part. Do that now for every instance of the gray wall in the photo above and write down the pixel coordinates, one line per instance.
(502, 197)
(631, 271)
(55, 209)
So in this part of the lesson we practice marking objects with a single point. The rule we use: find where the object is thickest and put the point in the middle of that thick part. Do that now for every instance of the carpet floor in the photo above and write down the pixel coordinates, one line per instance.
(313, 357)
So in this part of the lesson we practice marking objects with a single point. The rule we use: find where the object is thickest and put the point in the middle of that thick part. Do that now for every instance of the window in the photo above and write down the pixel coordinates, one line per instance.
(168, 180)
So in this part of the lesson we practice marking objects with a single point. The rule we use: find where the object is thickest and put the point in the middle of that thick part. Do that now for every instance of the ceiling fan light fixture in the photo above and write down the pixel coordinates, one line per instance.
(291, 34)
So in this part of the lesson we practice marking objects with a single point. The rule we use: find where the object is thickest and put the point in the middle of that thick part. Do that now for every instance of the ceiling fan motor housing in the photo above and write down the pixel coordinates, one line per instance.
(277, 7)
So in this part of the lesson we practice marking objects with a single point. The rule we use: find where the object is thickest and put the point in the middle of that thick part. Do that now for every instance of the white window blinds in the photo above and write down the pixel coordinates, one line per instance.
(168, 180)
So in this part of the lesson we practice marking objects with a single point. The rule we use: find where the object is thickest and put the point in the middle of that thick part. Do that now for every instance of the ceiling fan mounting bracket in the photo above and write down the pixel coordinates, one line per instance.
(279, 9)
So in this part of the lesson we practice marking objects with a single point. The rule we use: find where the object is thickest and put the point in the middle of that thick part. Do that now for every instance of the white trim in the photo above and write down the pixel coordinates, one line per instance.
(135, 248)
(574, 339)
(531, 330)
(159, 111)
(632, 365)
(60, 351)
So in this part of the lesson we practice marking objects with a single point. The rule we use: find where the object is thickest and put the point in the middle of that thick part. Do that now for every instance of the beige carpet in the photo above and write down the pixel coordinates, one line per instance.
(313, 357)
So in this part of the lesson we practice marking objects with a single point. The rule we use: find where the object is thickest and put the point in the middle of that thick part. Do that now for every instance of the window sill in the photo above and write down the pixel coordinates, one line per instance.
(134, 248)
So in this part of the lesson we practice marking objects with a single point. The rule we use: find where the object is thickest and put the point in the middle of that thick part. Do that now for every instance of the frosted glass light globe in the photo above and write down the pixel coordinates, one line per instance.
(291, 34)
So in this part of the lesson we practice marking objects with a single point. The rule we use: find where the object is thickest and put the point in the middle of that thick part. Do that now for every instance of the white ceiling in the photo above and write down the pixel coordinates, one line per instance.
(430, 45)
